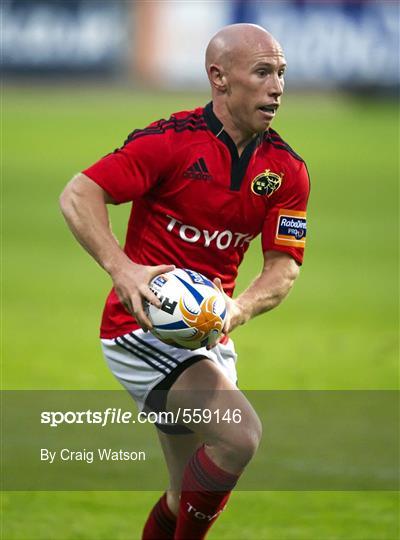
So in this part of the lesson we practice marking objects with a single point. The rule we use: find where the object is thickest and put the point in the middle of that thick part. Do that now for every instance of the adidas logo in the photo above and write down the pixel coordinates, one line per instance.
(198, 171)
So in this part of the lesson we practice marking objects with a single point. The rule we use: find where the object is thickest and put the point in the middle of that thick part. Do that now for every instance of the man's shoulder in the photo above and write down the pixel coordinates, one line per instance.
(192, 114)
(272, 138)
(178, 122)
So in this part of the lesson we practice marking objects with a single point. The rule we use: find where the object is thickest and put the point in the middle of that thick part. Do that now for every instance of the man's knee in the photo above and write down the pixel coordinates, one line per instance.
(241, 444)
(247, 441)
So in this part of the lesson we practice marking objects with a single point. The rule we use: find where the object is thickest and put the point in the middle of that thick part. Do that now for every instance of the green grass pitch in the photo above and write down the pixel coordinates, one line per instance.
(337, 330)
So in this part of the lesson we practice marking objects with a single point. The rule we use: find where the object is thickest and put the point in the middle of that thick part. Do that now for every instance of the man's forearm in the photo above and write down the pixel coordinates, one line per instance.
(268, 290)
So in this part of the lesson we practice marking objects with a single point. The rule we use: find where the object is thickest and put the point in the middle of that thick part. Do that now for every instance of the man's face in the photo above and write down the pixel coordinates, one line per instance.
(255, 86)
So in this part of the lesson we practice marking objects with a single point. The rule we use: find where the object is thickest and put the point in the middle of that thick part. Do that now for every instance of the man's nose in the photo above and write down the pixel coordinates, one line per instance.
(276, 86)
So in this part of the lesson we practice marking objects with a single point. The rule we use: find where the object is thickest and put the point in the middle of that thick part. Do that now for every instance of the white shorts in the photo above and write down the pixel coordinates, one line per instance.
(143, 363)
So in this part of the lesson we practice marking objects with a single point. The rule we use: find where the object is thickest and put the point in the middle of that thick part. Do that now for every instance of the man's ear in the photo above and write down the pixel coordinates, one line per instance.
(217, 78)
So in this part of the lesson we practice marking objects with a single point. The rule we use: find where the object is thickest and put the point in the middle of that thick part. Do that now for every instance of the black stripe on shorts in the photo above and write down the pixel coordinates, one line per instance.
(141, 354)
(149, 353)
(155, 349)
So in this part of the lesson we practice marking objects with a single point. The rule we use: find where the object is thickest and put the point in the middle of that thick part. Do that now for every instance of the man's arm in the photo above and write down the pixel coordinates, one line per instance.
(267, 291)
(83, 204)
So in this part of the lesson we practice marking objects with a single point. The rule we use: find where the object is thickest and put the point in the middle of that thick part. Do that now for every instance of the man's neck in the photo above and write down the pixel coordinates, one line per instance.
(240, 137)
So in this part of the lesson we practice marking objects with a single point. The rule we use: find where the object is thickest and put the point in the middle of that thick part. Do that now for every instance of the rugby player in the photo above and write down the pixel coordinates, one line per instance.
(203, 184)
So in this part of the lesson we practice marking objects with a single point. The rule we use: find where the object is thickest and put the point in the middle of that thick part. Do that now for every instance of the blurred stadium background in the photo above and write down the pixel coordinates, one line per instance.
(79, 75)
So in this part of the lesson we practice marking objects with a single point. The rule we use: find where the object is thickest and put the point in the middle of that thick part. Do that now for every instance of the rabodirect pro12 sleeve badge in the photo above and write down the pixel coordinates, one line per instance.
(291, 228)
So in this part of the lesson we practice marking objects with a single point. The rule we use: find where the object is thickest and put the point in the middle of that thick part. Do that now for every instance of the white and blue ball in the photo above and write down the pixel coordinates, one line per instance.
(192, 312)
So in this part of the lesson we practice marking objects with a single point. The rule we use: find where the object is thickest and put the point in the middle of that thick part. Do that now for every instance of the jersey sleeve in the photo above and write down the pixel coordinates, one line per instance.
(132, 170)
(285, 225)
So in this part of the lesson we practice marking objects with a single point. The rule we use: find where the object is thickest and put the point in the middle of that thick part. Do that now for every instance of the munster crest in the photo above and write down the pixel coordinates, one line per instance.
(266, 183)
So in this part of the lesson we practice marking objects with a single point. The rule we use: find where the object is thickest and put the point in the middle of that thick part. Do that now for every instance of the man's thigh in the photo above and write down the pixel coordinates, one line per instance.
(211, 405)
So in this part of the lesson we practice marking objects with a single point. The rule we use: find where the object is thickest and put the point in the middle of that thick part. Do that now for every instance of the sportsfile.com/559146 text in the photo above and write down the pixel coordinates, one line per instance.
(113, 415)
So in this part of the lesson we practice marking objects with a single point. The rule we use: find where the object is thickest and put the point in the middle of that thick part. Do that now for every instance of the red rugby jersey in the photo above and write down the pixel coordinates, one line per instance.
(197, 204)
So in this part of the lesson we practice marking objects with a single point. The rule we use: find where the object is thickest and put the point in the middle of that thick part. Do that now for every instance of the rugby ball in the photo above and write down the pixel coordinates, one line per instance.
(192, 312)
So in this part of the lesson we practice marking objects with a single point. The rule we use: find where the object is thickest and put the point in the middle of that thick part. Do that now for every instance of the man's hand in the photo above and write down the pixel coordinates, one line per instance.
(131, 282)
(234, 315)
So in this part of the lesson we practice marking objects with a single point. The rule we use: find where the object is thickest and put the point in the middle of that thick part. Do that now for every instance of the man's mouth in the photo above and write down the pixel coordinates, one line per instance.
(269, 109)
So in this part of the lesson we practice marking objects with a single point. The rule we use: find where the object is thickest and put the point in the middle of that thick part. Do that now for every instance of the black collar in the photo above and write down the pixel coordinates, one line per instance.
(239, 164)
(212, 121)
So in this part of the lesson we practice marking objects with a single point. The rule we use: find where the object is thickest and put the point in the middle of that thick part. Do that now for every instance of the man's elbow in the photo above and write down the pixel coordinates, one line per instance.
(68, 197)
(80, 190)
(289, 273)
(293, 271)
(76, 193)
(282, 265)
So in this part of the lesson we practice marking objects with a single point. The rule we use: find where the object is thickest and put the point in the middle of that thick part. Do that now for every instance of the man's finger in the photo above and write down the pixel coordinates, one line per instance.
(218, 283)
(226, 324)
(128, 306)
(160, 269)
(143, 320)
(212, 342)
(150, 296)
(140, 315)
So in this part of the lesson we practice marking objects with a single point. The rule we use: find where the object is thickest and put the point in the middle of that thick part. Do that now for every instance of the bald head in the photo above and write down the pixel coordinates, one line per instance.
(235, 41)
(245, 66)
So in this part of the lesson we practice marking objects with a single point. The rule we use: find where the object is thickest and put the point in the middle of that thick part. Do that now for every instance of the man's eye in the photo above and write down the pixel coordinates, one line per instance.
(262, 72)
(281, 73)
